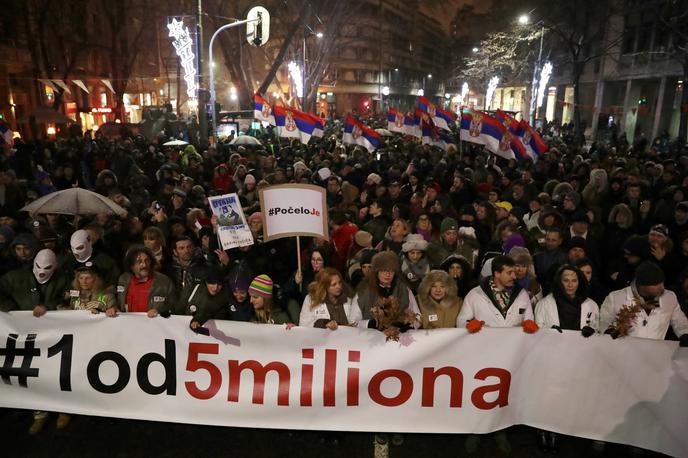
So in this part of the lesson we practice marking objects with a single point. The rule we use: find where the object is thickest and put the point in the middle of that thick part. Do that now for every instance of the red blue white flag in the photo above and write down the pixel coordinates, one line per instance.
(357, 133)
(262, 110)
(441, 117)
(294, 123)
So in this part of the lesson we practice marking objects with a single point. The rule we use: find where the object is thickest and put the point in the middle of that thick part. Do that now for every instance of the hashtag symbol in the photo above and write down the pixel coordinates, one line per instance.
(28, 352)
(271, 212)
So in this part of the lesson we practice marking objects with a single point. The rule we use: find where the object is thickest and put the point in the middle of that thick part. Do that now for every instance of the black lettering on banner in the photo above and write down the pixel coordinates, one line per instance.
(64, 348)
(168, 361)
(11, 351)
(124, 372)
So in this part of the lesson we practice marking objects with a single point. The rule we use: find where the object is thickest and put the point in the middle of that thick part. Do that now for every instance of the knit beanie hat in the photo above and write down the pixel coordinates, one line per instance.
(385, 260)
(648, 273)
(512, 241)
(261, 286)
(448, 224)
(637, 245)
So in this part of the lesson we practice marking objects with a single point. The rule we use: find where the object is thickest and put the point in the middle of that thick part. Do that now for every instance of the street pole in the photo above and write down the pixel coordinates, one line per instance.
(202, 118)
(211, 79)
(536, 82)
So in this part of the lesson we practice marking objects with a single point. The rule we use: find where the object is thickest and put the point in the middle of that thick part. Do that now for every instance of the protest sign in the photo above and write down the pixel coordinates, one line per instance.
(292, 210)
(232, 229)
(632, 391)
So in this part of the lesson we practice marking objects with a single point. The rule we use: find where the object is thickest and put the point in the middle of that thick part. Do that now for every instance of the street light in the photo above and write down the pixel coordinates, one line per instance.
(523, 19)
(475, 49)
(319, 35)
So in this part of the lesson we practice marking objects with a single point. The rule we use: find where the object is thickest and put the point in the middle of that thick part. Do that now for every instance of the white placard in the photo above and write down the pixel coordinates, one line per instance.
(294, 209)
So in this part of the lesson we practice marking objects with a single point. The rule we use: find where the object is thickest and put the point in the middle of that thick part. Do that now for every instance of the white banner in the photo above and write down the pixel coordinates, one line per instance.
(294, 209)
(631, 391)
(232, 229)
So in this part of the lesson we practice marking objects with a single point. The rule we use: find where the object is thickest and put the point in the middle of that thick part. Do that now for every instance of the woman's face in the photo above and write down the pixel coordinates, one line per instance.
(587, 272)
(257, 302)
(385, 277)
(438, 290)
(521, 271)
(423, 223)
(240, 295)
(455, 270)
(569, 281)
(398, 229)
(620, 219)
(414, 255)
(86, 281)
(335, 288)
(317, 262)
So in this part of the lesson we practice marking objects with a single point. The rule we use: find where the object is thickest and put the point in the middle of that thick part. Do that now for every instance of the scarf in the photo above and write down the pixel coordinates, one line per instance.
(569, 310)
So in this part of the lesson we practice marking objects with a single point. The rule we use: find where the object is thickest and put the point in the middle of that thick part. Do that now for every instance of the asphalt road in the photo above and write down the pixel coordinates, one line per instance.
(110, 437)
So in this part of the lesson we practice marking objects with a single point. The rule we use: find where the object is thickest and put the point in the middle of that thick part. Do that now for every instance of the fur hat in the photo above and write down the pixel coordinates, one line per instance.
(414, 242)
(363, 239)
(521, 255)
(385, 260)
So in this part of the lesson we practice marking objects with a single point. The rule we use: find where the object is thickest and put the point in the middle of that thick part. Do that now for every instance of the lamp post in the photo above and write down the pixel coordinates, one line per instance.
(212, 73)
(524, 19)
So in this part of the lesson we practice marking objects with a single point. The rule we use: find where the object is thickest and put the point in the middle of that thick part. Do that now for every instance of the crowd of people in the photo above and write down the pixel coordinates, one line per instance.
(456, 238)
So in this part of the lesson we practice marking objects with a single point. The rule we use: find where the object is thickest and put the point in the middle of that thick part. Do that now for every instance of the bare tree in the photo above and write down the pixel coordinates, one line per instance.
(127, 21)
(335, 14)
(58, 37)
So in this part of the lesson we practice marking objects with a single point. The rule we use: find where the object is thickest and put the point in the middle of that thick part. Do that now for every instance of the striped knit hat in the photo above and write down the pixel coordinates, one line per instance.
(261, 286)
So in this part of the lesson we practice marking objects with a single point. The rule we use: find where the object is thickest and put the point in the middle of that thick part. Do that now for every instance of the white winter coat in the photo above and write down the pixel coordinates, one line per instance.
(547, 315)
(309, 315)
(652, 326)
(477, 305)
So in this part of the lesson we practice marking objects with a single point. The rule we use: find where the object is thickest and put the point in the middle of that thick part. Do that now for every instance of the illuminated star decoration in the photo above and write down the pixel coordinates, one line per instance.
(176, 28)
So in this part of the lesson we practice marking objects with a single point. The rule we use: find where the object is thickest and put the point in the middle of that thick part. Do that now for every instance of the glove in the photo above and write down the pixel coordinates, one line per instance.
(474, 326)
(372, 324)
(165, 314)
(529, 327)
(683, 340)
(587, 331)
(558, 328)
(612, 332)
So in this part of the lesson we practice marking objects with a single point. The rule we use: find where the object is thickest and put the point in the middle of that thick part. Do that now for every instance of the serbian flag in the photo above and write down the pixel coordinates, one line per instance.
(357, 133)
(319, 125)
(441, 117)
(431, 135)
(508, 121)
(412, 125)
(532, 140)
(294, 123)
(395, 120)
(262, 110)
(481, 128)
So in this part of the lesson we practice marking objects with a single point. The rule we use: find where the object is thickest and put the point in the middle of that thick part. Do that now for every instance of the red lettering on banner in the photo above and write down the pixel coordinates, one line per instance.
(193, 364)
(478, 396)
(330, 378)
(430, 375)
(405, 390)
(352, 379)
(307, 379)
(259, 375)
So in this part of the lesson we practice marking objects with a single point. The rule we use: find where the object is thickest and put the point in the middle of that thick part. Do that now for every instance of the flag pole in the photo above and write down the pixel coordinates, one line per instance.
(298, 254)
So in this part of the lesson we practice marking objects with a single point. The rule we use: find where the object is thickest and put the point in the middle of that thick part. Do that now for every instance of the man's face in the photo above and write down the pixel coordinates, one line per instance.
(394, 190)
(579, 227)
(633, 192)
(505, 278)
(142, 266)
(576, 253)
(184, 250)
(450, 236)
(502, 213)
(552, 241)
(656, 239)
(333, 186)
(374, 209)
(214, 288)
(651, 291)
(240, 295)
(22, 252)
